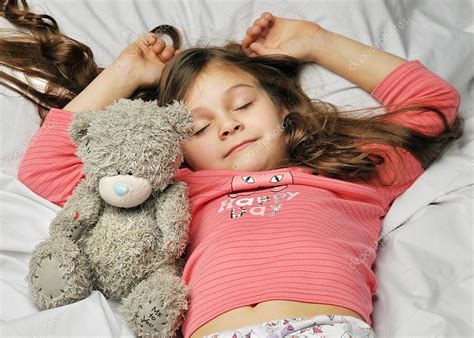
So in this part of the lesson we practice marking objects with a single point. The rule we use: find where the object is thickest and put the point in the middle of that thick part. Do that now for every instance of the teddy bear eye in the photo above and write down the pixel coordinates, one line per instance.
(118, 172)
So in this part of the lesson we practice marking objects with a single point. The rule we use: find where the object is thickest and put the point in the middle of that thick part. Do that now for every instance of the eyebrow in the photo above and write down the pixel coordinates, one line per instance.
(230, 89)
(238, 85)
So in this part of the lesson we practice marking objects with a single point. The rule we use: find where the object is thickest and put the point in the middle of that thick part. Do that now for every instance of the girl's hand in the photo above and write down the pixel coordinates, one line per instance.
(143, 61)
(274, 35)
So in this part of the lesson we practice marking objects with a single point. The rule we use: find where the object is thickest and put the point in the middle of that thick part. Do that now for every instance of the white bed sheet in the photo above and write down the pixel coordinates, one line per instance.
(424, 266)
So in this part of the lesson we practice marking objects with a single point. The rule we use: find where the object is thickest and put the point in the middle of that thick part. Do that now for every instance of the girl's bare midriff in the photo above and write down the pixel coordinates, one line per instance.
(265, 311)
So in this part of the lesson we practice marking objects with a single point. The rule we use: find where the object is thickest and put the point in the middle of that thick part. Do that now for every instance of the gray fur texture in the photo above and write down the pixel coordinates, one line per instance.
(125, 227)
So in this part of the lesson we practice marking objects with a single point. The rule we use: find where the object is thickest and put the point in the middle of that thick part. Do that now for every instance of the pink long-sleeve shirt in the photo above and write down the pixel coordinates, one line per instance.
(281, 234)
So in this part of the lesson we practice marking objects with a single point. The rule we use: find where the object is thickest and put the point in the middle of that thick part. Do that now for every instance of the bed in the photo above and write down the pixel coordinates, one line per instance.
(425, 255)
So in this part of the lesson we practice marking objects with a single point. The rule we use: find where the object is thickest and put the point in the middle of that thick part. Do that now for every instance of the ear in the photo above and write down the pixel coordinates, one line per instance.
(80, 123)
(284, 112)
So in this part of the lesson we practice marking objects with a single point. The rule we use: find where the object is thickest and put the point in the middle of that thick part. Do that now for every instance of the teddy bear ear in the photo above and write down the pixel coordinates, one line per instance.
(80, 123)
(179, 117)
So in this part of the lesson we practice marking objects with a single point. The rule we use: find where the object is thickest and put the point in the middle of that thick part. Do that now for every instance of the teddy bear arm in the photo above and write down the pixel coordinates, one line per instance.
(173, 217)
(80, 212)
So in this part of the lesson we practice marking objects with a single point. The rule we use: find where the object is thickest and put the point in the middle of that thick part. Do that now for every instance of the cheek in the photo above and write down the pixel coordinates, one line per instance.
(270, 126)
(266, 117)
(193, 150)
(188, 150)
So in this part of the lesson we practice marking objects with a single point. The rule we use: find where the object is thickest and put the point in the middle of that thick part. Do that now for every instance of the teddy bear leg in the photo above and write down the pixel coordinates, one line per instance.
(157, 305)
(58, 273)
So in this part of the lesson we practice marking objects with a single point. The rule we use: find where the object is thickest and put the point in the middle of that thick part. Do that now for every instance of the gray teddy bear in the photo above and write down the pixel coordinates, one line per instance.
(125, 227)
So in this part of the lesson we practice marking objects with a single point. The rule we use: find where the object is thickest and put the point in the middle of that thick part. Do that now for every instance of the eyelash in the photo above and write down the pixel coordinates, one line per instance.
(199, 132)
(245, 106)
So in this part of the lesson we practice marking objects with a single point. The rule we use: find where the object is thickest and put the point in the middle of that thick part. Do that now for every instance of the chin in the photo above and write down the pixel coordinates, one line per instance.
(240, 163)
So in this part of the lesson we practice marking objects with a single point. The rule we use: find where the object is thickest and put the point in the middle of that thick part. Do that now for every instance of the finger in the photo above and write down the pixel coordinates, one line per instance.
(260, 49)
(246, 49)
(147, 39)
(256, 47)
(151, 44)
(262, 17)
(267, 15)
(252, 31)
(270, 18)
(254, 34)
(167, 54)
(262, 22)
(159, 45)
(260, 28)
(247, 41)
(142, 41)
(264, 32)
(255, 30)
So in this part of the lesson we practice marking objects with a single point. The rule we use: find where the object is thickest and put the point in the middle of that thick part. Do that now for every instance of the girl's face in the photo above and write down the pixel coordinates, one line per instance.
(229, 108)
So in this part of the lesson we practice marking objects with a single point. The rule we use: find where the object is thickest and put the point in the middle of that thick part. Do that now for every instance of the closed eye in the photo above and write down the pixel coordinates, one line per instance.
(245, 106)
(200, 131)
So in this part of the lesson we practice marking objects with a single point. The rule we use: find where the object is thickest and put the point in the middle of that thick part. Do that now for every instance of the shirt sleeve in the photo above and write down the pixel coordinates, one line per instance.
(50, 167)
(410, 84)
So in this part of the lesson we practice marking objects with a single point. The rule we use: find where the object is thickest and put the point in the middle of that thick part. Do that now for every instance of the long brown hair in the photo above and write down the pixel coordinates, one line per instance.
(319, 136)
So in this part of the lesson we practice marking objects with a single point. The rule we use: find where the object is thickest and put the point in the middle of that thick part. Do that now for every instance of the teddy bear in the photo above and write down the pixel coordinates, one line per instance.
(124, 229)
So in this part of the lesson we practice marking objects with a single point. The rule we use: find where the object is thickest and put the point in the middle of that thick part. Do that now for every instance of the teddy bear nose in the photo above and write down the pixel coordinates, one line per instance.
(121, 189)
(124, 191)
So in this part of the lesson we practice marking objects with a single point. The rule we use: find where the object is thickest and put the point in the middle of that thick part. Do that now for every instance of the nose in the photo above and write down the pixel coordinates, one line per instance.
(124, 191)
(120, 189)
(230, 126)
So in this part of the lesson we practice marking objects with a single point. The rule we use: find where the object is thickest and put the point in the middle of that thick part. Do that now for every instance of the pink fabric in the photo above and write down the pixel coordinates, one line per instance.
(50, 167)
(281, 234)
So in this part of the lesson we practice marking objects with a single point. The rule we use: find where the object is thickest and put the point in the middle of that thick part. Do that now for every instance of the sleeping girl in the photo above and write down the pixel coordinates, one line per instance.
(288, 192)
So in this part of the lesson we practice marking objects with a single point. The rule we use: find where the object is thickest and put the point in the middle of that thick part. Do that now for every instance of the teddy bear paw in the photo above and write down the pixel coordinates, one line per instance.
(48, 278)
(152, 317)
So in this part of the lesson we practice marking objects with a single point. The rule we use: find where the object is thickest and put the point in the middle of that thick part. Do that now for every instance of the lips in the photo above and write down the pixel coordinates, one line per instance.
(238, 147)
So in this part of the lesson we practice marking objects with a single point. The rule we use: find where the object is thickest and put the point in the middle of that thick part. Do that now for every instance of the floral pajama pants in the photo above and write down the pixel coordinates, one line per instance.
(319, 326)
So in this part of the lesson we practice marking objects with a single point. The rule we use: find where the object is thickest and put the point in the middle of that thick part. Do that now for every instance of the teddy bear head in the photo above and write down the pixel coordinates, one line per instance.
(131, 149)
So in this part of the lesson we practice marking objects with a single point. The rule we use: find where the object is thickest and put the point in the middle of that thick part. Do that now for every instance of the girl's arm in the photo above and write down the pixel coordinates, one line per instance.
(110, 85)
(50, 167)
(391, 80)
(363, 65)
(139, 65)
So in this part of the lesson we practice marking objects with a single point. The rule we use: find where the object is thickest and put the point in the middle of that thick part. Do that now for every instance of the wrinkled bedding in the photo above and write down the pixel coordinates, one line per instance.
(425, 258)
